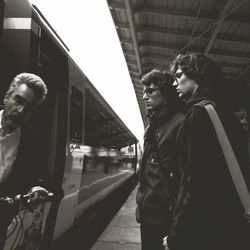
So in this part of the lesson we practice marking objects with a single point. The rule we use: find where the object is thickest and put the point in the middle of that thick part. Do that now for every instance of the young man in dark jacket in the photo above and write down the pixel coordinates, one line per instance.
(158, 173)
(208, 214)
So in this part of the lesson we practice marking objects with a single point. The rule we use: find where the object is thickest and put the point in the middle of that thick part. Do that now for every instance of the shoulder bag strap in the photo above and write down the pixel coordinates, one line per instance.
(232, 162)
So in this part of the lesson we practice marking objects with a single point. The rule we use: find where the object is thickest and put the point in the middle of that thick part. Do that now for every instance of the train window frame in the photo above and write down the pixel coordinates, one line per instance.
(76, 115)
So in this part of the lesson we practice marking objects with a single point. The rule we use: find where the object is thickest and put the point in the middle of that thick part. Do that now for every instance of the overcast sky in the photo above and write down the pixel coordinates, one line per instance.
(87, 28)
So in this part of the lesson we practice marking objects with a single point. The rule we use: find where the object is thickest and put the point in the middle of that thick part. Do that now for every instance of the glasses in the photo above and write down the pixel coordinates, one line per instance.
(178, 75)
(149, 91)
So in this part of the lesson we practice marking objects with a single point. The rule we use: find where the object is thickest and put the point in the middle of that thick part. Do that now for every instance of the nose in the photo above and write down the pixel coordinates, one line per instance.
(145, 96)
(175, 83)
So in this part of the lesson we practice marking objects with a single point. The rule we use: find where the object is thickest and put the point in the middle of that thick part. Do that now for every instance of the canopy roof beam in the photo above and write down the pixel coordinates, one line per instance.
(209, 16)
(174, 32)
(176, 47)
(132, 25)
(217, 28)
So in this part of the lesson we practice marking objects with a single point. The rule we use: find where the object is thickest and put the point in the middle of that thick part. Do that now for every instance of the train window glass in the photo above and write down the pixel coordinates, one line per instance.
(76, 115)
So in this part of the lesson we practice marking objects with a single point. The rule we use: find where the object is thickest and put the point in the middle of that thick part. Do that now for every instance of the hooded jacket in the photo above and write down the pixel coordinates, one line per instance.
(209, 214)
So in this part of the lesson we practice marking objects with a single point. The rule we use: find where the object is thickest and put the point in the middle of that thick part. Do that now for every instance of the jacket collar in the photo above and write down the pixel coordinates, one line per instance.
(202, 93)
(161, 115)
(156, 119)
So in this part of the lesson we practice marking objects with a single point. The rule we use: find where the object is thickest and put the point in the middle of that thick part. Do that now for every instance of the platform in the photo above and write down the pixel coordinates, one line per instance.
(123, 232)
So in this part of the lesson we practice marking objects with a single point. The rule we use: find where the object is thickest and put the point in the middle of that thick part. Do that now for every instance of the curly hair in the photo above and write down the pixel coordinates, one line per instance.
(164, 81)
(33, 81)
(200, 68)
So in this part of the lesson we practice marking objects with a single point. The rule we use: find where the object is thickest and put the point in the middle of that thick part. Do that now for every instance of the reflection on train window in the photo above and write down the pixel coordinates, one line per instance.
(104, 166)
(76, 115)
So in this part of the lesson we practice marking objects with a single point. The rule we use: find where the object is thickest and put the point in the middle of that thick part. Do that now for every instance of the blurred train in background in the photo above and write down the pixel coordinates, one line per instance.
(87, 148)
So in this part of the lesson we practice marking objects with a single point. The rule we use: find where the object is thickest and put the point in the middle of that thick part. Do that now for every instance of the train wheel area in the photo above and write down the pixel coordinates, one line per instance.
(92, 224)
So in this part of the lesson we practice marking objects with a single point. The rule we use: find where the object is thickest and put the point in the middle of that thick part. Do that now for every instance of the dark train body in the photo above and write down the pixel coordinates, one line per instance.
(82, 135)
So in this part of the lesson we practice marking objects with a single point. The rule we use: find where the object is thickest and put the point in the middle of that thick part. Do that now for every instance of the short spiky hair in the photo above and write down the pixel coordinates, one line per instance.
(200, 68)
(33, 81)
(164, 81)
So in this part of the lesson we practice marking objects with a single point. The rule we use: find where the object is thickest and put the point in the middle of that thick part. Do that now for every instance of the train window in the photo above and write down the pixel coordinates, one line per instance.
(76, 114)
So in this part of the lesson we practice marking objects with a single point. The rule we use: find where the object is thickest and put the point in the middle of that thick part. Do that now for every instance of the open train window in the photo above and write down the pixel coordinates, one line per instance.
(76, 115)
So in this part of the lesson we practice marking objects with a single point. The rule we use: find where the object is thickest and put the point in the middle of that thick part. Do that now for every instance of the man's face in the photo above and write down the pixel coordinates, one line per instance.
(19, 106)
(184, 85)
(153, 97)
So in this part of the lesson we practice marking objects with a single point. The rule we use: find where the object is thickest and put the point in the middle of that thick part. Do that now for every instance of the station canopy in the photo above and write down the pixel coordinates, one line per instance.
(153, 32)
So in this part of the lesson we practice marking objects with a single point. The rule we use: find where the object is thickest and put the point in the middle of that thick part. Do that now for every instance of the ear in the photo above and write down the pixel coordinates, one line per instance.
(5, 99)
(7, 96)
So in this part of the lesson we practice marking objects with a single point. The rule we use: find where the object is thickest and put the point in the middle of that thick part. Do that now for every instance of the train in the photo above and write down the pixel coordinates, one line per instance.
(87, 148)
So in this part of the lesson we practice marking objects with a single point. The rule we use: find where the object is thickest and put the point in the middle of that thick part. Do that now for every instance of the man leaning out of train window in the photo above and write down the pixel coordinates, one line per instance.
(20, 170)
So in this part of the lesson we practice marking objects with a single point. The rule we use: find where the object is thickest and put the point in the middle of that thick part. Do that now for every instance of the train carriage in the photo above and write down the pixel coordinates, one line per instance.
(73, 120)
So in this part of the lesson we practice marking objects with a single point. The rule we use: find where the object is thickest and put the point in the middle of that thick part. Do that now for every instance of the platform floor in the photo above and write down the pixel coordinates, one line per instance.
(123, 232)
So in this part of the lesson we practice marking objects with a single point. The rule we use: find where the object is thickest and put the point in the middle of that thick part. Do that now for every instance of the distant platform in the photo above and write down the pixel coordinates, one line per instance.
(123, 232)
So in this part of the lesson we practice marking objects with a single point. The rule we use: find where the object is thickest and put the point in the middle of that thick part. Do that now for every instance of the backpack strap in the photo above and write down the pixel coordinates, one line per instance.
(231, 160)
(203, 103)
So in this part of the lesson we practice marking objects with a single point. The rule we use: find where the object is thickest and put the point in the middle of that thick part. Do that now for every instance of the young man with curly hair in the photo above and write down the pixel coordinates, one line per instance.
(208, 214)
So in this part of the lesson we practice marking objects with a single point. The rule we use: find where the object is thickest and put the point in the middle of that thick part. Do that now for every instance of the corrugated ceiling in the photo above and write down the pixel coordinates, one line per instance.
(152, 32)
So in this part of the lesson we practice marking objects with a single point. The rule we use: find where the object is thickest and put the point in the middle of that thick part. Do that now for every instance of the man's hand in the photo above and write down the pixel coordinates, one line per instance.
(165, 243)
(247, 215)
(37, 195)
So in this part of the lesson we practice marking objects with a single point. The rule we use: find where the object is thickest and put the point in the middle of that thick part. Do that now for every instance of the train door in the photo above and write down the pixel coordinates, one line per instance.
(52, 120)
(74, 152)
(47, 59)
(33, 47)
